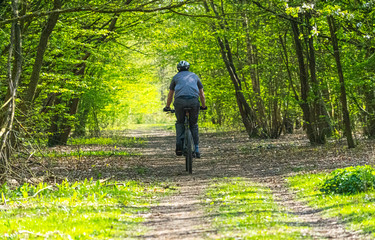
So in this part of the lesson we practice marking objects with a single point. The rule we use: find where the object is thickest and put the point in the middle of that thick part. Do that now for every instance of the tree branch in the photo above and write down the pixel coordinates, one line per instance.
(99, 9)
(191, 15)
(284, 16)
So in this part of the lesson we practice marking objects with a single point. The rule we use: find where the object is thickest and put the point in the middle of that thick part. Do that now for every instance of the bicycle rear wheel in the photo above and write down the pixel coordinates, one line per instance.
(189, 152)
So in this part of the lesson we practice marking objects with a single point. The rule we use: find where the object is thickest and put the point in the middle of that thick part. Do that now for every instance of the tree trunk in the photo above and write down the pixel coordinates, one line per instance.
(54, 138)
(247, 113)
(44, 36)
(67, 127)
(7, 111)
(370, 107)
(345, 112)
(305, 87)
(252, 61)
(96, 130)
(322, 122)
(80, 127)
(369, 93)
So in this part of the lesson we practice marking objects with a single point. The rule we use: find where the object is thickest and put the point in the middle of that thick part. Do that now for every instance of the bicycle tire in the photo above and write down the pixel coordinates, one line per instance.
(189, 152)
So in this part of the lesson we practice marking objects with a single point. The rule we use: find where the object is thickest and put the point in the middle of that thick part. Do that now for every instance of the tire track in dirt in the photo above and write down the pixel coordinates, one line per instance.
(181, 216)
(321, 228)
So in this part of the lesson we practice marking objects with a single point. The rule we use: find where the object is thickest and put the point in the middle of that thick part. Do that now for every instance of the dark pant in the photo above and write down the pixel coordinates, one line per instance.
(179, 105)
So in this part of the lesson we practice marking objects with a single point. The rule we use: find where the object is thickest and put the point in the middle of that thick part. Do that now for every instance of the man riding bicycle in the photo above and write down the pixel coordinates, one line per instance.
(186, 88)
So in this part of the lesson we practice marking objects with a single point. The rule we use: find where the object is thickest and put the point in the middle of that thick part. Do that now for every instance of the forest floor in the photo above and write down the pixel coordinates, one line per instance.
(224, 155)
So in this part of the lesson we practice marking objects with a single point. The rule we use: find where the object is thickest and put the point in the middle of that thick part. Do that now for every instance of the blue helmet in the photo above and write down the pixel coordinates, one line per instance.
(183, 66)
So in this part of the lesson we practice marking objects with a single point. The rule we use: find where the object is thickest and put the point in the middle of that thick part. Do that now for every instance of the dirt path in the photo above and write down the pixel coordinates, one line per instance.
(180, 216)
(321, 228)
(268, 162)
(233, 155)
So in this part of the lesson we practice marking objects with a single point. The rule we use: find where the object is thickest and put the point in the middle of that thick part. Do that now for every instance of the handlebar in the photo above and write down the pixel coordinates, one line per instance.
(168, 110)
(173, 111)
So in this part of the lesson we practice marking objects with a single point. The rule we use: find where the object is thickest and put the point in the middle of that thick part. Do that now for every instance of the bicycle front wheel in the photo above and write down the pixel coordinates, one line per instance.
(189, 152)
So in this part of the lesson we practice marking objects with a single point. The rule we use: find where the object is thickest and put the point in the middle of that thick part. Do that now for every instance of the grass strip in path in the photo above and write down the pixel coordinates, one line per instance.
(113, 141)
(241, 209)
(80, 210)
(82, 153)
(356, 211)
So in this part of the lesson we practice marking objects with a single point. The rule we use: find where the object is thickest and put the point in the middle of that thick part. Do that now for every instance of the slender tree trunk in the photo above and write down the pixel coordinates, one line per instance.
(369, 93)
(305, 87)
(286, 62)
(72, 105)
(54, 138)
(287, 121)
(7, 111)
(252, 61)
(322, 121)
(73, 108)
(44, 36)
(80, 127)
(247, 113)
(96, 131)
(370, 107)
(345, 112)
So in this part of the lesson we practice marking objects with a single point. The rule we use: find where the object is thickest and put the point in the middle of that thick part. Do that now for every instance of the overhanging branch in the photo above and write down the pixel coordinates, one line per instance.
(284, 16)
(99, 9)
(192, 15)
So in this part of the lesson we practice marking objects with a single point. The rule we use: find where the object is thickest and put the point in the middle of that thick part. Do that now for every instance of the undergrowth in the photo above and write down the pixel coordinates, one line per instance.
(114, 141)
(357, 210)
(350, 180)
(81, 153)
(79, 210)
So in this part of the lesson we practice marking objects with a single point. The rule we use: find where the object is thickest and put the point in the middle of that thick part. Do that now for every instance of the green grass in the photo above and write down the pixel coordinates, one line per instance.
(245, 210)
(80, 210)
(113, 141)
(80, 153)
(357, 210)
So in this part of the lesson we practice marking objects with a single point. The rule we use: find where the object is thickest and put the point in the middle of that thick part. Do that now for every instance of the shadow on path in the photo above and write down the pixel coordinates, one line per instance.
(223, 155)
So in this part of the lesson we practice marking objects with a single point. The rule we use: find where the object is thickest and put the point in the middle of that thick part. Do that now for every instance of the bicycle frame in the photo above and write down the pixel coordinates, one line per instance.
(188, 143)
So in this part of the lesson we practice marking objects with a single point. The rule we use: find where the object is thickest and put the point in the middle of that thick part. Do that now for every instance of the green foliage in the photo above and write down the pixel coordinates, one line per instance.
(79, 210)
(125, 78)
(356, 210)
(113, 141)
(81, 153)
(350, 180)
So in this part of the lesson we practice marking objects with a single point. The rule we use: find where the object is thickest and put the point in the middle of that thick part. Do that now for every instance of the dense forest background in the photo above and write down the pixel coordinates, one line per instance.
(77, 67)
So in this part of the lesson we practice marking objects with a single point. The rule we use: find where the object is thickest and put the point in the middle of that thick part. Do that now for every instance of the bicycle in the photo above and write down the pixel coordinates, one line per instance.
(188, 143)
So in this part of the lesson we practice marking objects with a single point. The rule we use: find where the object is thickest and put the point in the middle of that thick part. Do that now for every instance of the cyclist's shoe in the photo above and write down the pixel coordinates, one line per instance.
(197, 155)
(178, 150)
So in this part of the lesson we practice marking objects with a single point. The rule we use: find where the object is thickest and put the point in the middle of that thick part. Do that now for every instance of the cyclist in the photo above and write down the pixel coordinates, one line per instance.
(186, 88)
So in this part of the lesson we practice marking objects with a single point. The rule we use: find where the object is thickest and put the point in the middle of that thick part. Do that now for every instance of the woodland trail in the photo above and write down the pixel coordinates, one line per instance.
(267, 162)
(181, 216)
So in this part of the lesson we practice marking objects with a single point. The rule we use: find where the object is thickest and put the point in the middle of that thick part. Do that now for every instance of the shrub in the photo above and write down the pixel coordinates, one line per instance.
(350, 180)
